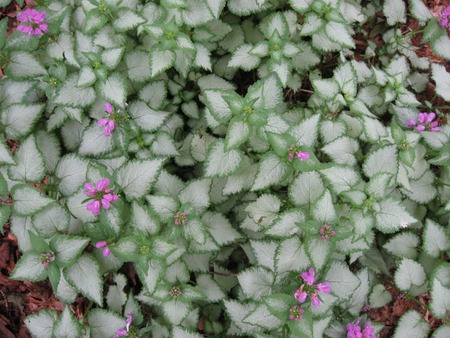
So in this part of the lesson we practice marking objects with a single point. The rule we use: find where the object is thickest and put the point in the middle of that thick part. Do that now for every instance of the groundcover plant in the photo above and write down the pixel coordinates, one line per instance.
(256, 178)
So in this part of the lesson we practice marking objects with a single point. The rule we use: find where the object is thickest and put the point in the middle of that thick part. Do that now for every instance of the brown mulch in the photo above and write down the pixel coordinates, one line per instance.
(390, 313)
(19, 299)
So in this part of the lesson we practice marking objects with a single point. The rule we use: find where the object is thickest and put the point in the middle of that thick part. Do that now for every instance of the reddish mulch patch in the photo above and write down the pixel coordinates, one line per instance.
(390, 313)
(18, 298)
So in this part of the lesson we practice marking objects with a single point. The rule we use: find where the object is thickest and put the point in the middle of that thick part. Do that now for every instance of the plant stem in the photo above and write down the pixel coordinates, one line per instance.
(443, 183)
(414, 32)
(409, 297)
(284, 331)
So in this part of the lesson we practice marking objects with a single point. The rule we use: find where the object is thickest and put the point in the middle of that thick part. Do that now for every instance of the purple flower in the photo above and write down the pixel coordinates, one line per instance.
(369, 331)
(445, 18)
(309, 276)
(294, 152)
(108, 108)
(102, 184)
(123, 332)
(102, 196)
(107, 199)
(425, 121)
(410, 123)
(108, 124)
(354, 330)
(89, 189)
(32, 22)
(303, 156)
(366, 308)
(129, 321)
(300, 295)
(323, 287)
(94, 207)
(310, 289)
(106, 250)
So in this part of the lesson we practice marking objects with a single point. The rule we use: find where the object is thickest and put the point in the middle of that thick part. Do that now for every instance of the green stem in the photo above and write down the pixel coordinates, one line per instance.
(443, 183)
(284, 331)
(414, 32)
(409, 297)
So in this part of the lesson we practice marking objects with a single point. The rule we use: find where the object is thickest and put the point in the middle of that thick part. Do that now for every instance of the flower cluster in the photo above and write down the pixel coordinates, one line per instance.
(106, 250)
(109, 124)
(5, 201)
(175, 292)
(32, 22)
(180, 218)
(296, 312)
(445, 16)
(310, 289)
(294, 152)
(326, 232)
(47, 258)
(102, 196)
(123, 332)
(354, 330)
(424, 122)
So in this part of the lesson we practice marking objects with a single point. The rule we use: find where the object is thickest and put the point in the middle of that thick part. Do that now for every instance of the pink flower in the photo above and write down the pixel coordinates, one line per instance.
(445, 16)
(410, 123)
(108, 124)
(103, 184)
(89, 189)
(369, 331)
(94, 207)
(309, 276)
(310, 289)
(106, 250)
(300, 295)
(324, 287)
(103, 196)
(123, 332)
(366, 308)
(354, 330)
(294, 152)
(314, 300)
(129, 321)
(425, 121)
(32, 22)
(108, 108)
(100, 245)
(303, 156)
(107, 199)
